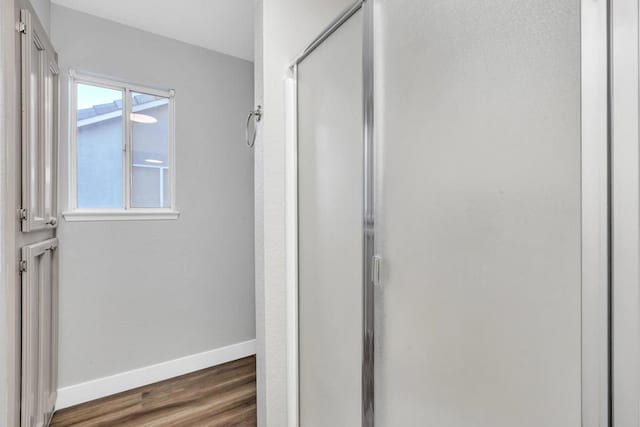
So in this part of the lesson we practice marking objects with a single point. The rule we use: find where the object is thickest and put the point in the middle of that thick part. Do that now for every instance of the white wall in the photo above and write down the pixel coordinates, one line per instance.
(286, 27)
(43, 10)
(134, 294)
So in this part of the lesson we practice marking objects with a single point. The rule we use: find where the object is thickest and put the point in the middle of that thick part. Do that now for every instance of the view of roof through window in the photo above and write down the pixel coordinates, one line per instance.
(100, 141)
(139, 102)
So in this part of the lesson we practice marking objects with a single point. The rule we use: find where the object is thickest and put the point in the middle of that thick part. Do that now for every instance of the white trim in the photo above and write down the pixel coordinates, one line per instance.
(171, 153)
(9, 194)
(72, 159)
(595, 213)
(126, 88)
(291, 231)
(101, 387)
(625, 201)
(127, 153)
(139, 214)
(118, 84)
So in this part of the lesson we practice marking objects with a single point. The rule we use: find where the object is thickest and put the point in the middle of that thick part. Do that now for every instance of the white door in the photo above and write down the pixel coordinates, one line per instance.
(39, 267)
(330, 206)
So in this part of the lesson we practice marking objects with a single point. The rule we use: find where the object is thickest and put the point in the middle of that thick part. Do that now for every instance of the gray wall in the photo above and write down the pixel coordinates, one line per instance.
(138, 293)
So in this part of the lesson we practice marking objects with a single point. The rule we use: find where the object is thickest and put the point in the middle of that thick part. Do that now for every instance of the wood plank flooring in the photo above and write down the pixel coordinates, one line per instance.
(224, 395)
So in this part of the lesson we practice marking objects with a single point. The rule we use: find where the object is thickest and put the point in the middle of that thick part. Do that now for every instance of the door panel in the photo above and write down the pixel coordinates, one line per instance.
(39, 332)
(478, 321)
(330, 218)
(39, 126)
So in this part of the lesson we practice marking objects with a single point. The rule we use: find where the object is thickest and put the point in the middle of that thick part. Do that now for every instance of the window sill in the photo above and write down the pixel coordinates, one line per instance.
(121, 215)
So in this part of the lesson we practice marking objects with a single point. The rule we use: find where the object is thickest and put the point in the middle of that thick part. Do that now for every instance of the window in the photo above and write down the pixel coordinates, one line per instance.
(122, 151)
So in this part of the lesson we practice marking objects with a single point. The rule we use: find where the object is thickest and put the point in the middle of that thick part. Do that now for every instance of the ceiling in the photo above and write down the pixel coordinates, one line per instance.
(222, 25)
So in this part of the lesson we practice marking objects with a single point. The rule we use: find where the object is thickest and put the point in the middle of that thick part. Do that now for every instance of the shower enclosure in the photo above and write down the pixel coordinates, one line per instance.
(452, 268)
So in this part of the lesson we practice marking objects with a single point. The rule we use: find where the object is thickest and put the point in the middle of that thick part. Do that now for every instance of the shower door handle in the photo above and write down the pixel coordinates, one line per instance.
(376, 270)
(257, 116)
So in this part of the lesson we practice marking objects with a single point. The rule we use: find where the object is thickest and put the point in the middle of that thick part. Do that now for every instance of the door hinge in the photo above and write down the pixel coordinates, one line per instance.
(376, 266)
(22, 214)
(22, 266)
(21, 27)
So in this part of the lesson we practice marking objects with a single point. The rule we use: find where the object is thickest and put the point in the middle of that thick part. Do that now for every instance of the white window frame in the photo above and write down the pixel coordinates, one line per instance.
(127, 212)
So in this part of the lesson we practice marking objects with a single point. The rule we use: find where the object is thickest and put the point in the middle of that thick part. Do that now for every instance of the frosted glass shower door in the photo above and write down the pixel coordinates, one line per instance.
(330, 229)
(478, 318)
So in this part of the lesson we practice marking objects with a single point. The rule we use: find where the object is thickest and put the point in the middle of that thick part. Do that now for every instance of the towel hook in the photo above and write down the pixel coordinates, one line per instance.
(257, 114)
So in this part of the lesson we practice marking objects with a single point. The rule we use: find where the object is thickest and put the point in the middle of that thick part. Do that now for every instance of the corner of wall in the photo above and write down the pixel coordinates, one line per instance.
(43, 10)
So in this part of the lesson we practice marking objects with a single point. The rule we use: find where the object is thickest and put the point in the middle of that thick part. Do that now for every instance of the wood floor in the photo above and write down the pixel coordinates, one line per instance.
(224, 395)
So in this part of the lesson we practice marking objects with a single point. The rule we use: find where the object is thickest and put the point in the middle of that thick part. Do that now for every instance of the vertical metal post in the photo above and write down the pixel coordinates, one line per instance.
(368, 349)
(294, 330)
(368, 199)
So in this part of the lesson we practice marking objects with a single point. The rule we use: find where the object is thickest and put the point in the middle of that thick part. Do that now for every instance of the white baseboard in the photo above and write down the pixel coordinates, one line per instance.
(101, 387)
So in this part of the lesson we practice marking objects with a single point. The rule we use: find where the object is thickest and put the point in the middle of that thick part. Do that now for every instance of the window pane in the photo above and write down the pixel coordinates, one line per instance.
(51, 128)
(146, 181)
(99, 141)
(35, 178)
(150, 140)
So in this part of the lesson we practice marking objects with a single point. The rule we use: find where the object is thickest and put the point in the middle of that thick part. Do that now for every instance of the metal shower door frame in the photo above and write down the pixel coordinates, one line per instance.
(368, 238)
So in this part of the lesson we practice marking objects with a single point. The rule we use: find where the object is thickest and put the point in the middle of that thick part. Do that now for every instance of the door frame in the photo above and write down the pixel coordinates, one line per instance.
(12, 239)
(596, 397)
(625, 211)
(595, 214)
(10, 361)
(291, 209)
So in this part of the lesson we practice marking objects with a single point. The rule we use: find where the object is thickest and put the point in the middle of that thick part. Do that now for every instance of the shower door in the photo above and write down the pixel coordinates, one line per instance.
(452, 229)
(330, 229)
(478, 111)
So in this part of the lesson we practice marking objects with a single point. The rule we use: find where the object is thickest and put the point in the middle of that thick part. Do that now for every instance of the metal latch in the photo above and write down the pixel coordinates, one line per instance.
(22, 214)
(21, 27)
(22, 266)
(376, 266)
